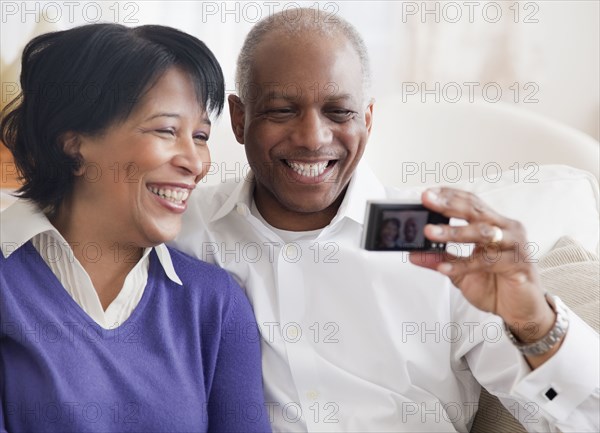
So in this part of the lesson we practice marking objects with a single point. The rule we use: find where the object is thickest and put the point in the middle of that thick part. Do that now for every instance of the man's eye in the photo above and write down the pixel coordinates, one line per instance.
(341, 114)
(279, 111)
(166, 131)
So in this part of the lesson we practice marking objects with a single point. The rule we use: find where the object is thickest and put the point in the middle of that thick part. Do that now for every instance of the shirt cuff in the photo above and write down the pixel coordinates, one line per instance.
(569, 377)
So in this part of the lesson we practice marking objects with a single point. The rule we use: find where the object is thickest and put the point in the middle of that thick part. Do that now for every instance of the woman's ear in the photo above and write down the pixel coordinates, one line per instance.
(71, 144)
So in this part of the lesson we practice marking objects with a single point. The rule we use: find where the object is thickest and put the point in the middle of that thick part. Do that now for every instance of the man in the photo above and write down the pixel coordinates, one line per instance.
(367, 341)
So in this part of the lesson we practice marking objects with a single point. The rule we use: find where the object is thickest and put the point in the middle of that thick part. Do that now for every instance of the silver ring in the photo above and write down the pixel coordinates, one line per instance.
(498, 235)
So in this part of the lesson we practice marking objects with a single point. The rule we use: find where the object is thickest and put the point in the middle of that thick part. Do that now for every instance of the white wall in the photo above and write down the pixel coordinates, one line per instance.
(558, 55)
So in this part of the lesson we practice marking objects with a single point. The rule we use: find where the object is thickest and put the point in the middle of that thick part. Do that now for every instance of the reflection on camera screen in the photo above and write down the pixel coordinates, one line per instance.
(399, 227)
(402, 229)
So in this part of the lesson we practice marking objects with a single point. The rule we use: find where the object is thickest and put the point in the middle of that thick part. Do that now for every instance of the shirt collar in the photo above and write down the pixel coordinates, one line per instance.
(363, 186)
(23, 220)
(241, 195)
(164, 257)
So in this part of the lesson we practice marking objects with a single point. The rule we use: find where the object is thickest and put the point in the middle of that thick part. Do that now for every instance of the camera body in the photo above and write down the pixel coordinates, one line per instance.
(392, 226)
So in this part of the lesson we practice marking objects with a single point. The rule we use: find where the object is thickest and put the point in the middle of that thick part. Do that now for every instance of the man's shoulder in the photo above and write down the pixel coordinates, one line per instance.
(208, 199)
(219, 192)
(204, 207)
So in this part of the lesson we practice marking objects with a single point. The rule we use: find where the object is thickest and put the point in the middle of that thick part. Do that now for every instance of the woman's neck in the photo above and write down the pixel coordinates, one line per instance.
(106, 258)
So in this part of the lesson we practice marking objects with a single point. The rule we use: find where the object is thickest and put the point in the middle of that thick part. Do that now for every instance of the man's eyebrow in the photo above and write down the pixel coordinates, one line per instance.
(277, 94)
(340, 97)
(205, 120)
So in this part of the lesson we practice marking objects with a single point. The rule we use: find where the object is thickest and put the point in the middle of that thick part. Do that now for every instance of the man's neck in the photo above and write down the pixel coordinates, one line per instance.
(283, 218)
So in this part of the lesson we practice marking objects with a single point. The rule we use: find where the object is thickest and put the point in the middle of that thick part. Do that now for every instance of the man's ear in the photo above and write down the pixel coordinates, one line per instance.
(369, 115)
(237, 112)
(71, 144)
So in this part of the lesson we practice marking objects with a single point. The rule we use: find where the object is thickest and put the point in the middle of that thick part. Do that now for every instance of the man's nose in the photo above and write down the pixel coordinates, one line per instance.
(313, 130)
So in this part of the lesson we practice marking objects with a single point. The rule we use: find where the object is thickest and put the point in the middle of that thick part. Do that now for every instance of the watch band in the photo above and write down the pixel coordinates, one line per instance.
(548, 341)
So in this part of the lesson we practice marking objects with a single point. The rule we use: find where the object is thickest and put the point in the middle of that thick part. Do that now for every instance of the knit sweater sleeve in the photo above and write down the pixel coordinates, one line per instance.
(236, 400)
(2, 426)
(2, 422)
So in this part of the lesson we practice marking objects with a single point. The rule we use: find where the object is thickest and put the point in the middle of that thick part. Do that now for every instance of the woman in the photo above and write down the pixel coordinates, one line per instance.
(103, 328)
(388, 233)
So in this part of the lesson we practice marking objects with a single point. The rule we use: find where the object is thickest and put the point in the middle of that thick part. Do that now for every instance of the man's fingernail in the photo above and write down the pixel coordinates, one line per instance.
(445, 268)
(433, 194)
(520, 278)
(436, 230)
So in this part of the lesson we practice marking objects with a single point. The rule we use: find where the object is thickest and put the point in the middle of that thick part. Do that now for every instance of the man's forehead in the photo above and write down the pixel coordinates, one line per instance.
(279, 49)
(330, 92)
(283, 64)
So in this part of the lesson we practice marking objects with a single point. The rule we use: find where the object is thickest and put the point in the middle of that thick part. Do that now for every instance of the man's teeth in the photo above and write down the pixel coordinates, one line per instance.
(308, 170)
(174, 195)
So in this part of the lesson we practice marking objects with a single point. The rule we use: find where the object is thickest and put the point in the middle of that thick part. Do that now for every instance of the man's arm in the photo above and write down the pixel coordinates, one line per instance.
(496, 278)
(561, 382)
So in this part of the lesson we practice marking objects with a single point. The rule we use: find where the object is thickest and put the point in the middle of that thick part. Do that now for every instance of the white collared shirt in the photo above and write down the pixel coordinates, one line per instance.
(354, 340)
(23, 222)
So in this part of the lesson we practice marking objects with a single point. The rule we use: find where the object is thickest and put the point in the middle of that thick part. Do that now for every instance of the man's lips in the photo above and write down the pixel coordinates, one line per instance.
(310, 169)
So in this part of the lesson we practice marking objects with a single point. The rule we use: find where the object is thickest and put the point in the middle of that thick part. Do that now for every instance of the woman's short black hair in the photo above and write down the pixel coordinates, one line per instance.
(84, 80)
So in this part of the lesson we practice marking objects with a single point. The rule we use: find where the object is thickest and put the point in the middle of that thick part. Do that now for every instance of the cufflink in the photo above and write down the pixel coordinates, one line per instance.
(550, 394)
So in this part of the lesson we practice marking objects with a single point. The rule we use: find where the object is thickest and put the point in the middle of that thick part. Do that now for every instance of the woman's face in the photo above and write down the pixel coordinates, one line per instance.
(389, 233)
(139, 173)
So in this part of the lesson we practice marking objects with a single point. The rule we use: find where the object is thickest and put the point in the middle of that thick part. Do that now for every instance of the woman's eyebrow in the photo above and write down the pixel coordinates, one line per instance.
(205, 120)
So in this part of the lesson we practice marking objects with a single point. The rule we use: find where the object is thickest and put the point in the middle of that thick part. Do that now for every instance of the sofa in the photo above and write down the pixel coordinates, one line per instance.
(525, 166)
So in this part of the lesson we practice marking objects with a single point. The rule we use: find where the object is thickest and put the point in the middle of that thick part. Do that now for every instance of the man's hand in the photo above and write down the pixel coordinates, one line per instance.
(496, 277)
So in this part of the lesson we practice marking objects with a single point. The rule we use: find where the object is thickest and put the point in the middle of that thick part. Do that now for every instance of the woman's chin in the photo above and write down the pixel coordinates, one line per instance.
(161, 232)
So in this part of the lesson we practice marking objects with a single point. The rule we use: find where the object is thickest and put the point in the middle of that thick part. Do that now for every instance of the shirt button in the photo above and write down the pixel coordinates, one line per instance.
(242, 209)
(290, 250)
(312, 395)
(293, 333)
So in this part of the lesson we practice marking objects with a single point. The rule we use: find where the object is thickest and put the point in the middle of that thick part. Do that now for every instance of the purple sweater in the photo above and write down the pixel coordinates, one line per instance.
(188, 358)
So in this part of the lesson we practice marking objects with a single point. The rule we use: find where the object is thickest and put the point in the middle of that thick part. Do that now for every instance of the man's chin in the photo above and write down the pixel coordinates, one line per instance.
(309, 204)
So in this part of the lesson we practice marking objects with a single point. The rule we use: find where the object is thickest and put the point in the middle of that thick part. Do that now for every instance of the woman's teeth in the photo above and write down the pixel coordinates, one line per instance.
(177, 196)
(308, 170)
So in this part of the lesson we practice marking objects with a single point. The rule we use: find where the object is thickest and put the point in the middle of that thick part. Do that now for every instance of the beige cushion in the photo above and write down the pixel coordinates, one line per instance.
(409, 139)
(573, 274)
(557, 201)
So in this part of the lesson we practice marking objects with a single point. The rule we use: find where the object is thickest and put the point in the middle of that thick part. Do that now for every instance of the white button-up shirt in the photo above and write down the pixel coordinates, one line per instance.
(355, 340)
(23, 221)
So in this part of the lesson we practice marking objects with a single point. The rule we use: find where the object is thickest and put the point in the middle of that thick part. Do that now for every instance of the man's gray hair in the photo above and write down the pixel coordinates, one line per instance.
(294, 22)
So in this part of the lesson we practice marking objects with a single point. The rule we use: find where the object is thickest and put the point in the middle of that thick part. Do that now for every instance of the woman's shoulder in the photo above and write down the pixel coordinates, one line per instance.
(213, 284)
(198, 274)
(190, 267)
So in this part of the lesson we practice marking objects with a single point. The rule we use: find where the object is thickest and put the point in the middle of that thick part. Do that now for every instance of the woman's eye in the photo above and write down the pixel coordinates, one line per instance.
(201, 137)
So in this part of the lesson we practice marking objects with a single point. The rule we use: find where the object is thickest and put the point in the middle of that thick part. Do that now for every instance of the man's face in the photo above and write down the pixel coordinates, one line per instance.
(305, 124)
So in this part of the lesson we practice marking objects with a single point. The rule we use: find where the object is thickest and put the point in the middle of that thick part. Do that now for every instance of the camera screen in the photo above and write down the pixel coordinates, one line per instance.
(402, 229)
(399, 227)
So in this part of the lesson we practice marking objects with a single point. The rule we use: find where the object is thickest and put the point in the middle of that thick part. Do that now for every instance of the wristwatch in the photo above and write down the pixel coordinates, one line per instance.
(548, 341)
